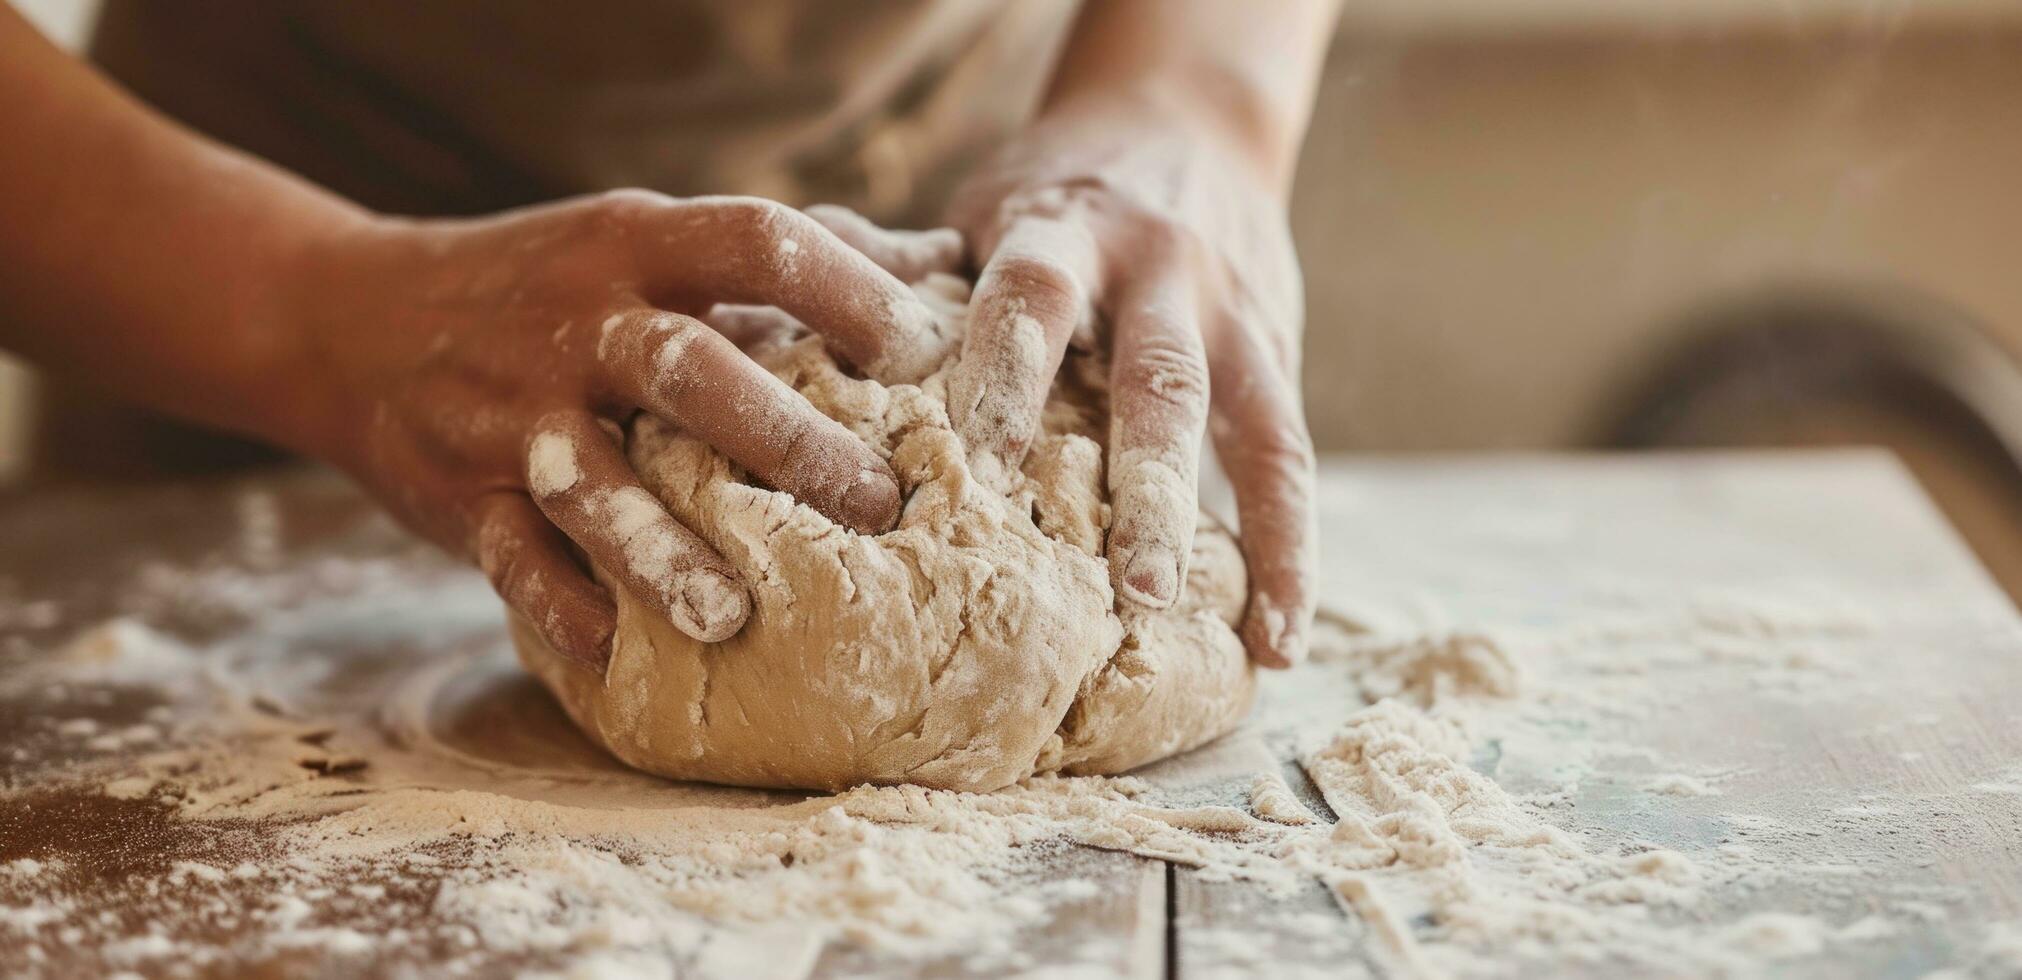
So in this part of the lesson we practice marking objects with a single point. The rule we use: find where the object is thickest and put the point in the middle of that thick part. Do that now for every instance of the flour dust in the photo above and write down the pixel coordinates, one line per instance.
(332, 763)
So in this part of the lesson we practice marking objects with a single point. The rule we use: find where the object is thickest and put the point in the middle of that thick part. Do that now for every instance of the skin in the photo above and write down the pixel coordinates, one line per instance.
(430, 358)
(472, 373)
(1151, 190)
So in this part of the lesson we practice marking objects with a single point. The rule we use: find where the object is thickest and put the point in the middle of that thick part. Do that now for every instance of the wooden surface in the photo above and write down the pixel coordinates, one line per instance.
(1541, 543)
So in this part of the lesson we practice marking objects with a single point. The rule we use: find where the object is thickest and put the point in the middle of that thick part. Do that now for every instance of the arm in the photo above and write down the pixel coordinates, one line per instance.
(1247, 71)
(1152, 190)
(467, 372)
(142, 257)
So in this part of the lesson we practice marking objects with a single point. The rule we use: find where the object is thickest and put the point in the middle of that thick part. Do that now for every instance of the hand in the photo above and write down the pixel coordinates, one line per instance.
(475, 376)
(1162, 226)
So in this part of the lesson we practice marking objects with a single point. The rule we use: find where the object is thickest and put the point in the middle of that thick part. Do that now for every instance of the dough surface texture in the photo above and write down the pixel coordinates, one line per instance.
(976, 644)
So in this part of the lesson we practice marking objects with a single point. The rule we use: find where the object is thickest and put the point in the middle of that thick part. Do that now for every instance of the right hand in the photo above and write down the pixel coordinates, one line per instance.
(475, 374)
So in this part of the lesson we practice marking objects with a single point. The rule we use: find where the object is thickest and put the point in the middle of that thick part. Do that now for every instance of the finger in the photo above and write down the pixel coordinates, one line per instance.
(749, 250)
(909, 255)
(583, 484)
(1159, 404)
(1260, 434)
(1033, 294)
(747, 327)
(529, 565)
(680, 370)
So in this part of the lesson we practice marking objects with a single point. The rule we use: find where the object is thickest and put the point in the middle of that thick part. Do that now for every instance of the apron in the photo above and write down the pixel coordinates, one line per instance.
(471, 106)
(457, 107)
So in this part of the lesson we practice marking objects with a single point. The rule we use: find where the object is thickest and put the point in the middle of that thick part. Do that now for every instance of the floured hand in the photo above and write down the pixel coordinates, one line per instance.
(473, 374)
(1159, 224)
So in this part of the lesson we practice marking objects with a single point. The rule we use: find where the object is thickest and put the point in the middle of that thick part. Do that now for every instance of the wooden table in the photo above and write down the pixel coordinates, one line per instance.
(1909, 765)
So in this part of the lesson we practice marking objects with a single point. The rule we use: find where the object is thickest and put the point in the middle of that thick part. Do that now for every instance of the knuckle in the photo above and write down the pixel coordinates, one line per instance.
(1167, 239)
(753, 210)
(1038, 273)
(1155, 488)
(618, 334)
(630, 202)
(498, 553)
(653, 337)
(673, 328)
(801, 451)
(1051, 201)
(672, 341)
(759, 232)
(1171, 371)
(619, 211)
(1293, 451)
(762, 220)
(1280, 450)
(1043, 282)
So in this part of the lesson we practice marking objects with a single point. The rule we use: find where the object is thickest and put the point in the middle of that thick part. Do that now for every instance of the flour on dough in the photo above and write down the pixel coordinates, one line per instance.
(974, 645)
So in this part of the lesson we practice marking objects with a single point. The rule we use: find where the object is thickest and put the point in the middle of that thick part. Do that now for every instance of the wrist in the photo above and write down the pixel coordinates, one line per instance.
(1239, 127)
(291, 318)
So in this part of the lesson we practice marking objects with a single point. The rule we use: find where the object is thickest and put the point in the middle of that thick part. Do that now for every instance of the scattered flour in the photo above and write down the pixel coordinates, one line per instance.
(2008, 782)
(1679, 784)
(1440, 859)
(1777, 935)
(395, 813)
(1426, 669)
(27, 867)
(551, 464)
(1271, 799)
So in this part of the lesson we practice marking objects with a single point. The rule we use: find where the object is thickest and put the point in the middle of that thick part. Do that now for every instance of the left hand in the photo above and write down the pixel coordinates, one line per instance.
(1161, 225)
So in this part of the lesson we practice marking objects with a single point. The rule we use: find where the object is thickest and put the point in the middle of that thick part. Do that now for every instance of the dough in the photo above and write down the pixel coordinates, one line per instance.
(976, 644)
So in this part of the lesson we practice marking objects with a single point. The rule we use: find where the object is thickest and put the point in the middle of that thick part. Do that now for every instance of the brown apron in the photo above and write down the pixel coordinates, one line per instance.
(467, 106)
(470, 106)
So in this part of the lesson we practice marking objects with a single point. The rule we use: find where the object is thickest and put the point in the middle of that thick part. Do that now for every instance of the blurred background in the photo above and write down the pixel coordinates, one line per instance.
(1589, 224)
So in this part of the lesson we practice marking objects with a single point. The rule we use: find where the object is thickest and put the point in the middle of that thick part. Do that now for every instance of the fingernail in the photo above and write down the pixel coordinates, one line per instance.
(871, 504)
(1151, 577)
(591, 647)
(716, 604)
(1275, 639)
(589, 655)
(919, 346)
(585, 647)
(1292, 646)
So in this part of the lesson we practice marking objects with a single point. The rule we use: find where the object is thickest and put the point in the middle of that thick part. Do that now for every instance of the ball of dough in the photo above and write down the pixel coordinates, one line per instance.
(976, 644)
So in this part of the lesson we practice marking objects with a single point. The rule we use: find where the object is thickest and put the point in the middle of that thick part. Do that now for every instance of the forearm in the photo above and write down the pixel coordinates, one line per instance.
(142, 258)
(1247, 69)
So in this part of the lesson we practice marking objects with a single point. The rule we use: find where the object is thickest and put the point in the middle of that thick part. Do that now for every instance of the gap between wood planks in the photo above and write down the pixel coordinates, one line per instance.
(1171, 921)
(1307, 792)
